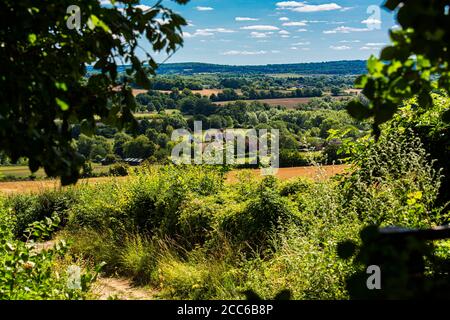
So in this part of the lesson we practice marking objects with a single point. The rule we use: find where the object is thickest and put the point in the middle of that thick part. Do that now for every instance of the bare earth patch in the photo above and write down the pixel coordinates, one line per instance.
(120, 288)
(313, 172)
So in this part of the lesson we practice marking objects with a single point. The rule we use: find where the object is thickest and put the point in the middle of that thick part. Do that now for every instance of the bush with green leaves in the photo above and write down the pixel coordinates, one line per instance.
(265, 213)
(29, 272)
(28, 208)
(119, 169)
(393, 182)
(148, 202)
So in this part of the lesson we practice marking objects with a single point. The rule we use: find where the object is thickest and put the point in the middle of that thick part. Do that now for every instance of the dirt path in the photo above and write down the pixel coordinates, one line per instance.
(110, 288)
(121, 289)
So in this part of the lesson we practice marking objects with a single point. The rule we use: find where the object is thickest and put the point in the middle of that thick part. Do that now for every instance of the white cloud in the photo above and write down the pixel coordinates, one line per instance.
(202, 33)
(343, 29)
(200, 8)
(302, 30)
(256, 34)
(261, 28)
(340, 48)
(314, 21)
(349, 41)
(275, 51)
(285, 36)
(297, 6)
(245, 19)
(161, 21)
(317, 8)
(219, 30)
(289, 4)
(243, 53)
(371, 21)
(143, 7)
(294, 24)
(284, 19)
(375, 44)
(206, 32)
(302, 43)
(284, 32)
(294, 48)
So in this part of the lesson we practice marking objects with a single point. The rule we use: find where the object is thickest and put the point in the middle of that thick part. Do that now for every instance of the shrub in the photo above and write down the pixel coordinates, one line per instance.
(393, 182)
(263, 215)
(196, 221)
(305, 264)
(95, 246)
(101, 207)
(149, 202)
(29, 273)
(119, 169)
(28, 208)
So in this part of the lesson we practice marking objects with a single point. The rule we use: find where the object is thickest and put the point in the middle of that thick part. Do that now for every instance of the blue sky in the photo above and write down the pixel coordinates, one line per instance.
(270, 32)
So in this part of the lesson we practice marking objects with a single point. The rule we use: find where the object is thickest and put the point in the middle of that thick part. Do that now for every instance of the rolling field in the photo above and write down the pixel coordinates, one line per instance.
(23, 171)
(320, 173)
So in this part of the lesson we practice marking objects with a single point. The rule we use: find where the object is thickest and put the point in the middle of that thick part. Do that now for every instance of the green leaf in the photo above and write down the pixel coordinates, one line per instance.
(32, 38)
(358, 111)
(94, 22)
(388, 53)
(385, 112)
(61, 86)
(374, 65)
(62, 104)
(425, 99)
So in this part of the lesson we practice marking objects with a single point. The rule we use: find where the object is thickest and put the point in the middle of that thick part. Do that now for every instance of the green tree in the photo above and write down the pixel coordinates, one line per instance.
(119, 140)
(141, 147)
(44, 63)
(416, 62)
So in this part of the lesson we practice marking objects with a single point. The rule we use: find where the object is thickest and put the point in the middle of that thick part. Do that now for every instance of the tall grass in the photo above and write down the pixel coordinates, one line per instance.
(192, 236)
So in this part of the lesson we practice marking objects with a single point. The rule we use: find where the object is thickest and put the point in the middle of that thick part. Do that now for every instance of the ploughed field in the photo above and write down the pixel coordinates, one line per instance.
(320, 173)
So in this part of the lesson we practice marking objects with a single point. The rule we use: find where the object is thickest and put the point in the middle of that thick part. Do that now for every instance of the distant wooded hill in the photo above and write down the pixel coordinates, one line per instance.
(347, 67)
